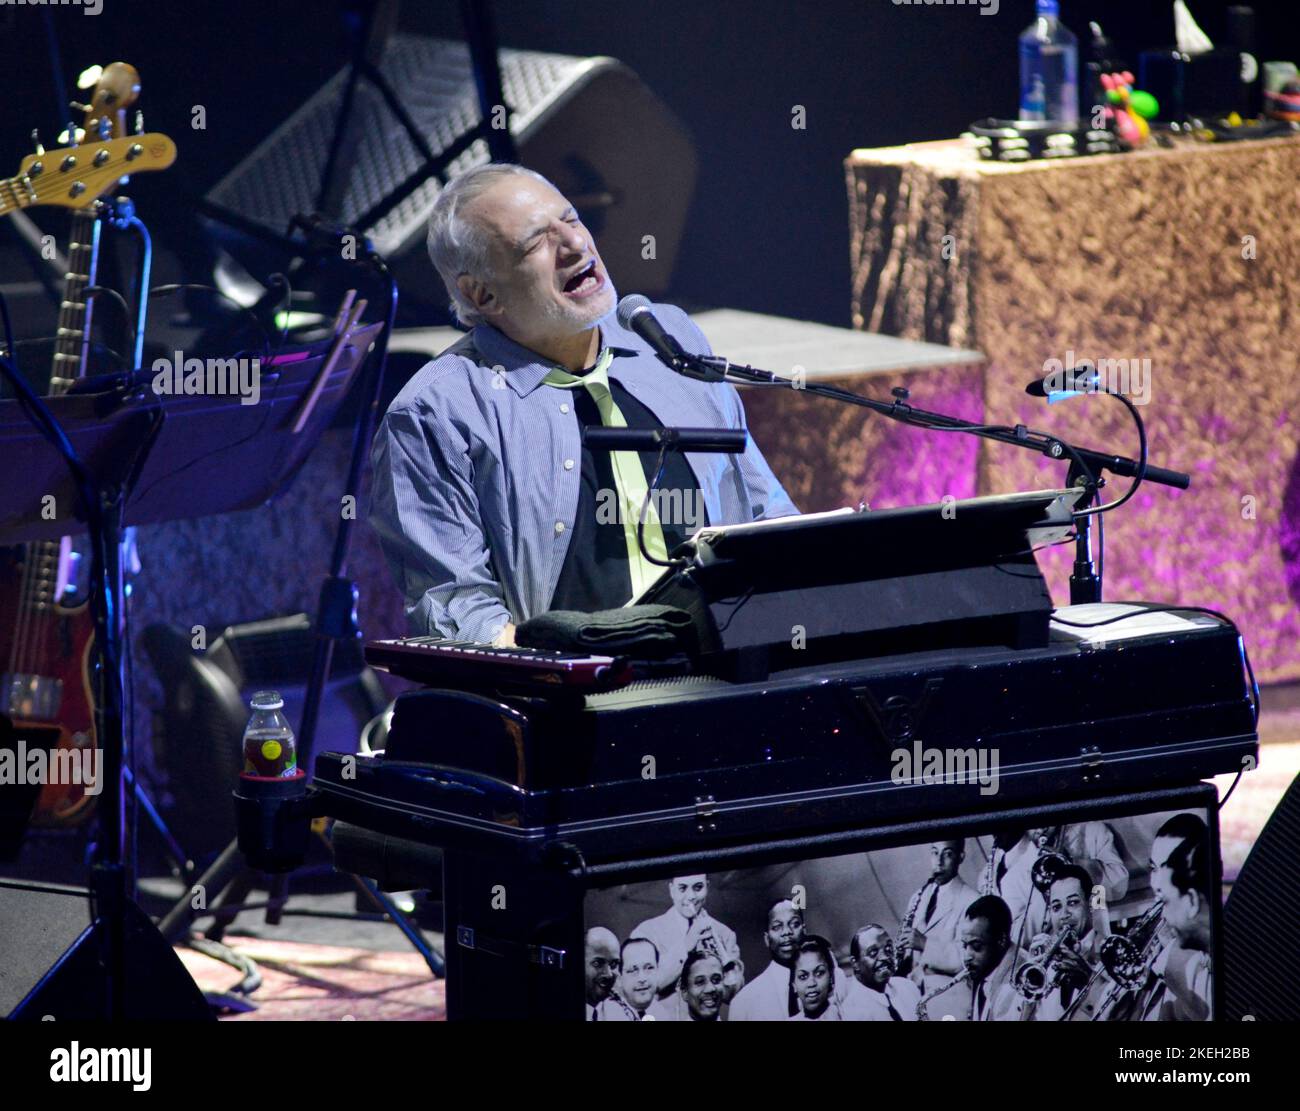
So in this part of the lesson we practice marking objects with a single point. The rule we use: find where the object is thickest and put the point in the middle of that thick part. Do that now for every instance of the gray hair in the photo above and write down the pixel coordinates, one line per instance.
(459, 246)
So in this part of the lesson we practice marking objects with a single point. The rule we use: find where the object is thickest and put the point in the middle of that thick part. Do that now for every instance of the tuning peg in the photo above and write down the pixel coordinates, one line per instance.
(72, 135)
(139, 122)
(36, 140)
(77, 106)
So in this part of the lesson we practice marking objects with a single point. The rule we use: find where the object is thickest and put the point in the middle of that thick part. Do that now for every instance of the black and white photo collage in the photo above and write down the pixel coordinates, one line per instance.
(1095, 921)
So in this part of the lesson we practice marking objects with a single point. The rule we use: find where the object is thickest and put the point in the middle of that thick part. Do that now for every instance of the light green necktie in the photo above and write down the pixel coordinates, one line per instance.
(629, 475)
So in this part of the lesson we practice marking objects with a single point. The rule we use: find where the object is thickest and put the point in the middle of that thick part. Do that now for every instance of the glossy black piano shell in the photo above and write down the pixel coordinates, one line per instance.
(707, 761)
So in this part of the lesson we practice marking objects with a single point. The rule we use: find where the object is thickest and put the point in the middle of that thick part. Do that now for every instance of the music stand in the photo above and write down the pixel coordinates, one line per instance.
(152, 457)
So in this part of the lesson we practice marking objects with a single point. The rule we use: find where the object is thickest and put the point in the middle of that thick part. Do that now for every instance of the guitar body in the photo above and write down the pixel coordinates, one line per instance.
(46, 647)
(57, 693)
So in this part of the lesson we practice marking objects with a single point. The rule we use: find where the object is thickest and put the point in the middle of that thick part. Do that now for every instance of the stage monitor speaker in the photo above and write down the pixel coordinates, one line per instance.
(198, 736)
(51, 961)
(588, 124)
(1261, 923)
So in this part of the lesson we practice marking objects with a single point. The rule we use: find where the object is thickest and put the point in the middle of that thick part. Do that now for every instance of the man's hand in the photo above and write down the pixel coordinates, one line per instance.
(1072, 965)
(506, 637)
(700, 932)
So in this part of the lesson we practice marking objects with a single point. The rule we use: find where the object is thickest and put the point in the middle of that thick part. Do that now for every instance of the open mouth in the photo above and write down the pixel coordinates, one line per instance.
(584, 282)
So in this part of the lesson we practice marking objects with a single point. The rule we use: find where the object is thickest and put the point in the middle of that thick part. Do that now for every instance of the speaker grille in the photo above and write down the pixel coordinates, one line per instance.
(1261, 923)
(434, 80)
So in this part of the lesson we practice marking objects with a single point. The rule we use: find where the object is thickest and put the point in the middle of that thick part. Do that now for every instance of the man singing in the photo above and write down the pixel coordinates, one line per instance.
(489, 508)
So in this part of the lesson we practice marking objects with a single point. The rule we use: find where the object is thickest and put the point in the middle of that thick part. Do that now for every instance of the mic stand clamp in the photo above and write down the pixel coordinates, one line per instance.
(1085, 583)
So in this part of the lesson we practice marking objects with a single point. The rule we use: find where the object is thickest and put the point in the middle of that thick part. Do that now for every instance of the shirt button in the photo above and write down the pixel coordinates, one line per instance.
(564, 408)
(568, 464)
(559, 527)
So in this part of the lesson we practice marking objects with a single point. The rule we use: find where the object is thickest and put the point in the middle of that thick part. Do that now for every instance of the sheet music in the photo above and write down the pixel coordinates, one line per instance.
(1110, 622)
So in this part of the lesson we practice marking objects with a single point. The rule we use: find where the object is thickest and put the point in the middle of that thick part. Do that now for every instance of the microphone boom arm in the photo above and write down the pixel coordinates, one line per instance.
(712, 368)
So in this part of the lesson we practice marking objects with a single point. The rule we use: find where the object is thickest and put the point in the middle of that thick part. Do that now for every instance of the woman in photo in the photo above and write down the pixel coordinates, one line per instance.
(811, 978)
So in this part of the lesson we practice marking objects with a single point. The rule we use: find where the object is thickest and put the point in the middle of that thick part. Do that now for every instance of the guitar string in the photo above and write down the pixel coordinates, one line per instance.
(84, 236)
(42, 183)
(32, 623)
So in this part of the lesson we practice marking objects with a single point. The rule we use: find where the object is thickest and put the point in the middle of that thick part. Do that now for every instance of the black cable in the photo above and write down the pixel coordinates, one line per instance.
(1236, 779)
(645, 509)
(95, 290)
(8, 326)
(173, 287)
(129, 757)
(1143, 607)
(1101, 550)
(287, 310)
(1142, 461)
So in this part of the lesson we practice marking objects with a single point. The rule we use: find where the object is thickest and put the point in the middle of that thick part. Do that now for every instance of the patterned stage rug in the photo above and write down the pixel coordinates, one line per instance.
(333, 983)
(327, 983)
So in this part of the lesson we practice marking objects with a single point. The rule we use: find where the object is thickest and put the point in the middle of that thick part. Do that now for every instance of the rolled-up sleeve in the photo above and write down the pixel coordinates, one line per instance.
(426, 513)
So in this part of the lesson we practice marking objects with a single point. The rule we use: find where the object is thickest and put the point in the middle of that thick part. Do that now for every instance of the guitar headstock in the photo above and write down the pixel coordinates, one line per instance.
(74, 177)
(116, 89)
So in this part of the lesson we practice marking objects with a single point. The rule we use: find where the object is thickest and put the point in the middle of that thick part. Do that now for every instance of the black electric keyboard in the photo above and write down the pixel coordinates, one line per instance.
(702, 759)
(437, 662)
(926, 627)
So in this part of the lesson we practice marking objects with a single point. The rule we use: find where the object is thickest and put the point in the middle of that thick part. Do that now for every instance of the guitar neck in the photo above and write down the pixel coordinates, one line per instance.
(72, 340)
(12, 192)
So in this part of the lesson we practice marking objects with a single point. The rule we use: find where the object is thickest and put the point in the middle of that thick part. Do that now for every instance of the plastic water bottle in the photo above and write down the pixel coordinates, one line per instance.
(270, 749)
(1049, 68)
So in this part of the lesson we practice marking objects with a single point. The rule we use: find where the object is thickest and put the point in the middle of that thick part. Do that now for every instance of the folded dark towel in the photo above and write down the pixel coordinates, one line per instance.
(642, 632)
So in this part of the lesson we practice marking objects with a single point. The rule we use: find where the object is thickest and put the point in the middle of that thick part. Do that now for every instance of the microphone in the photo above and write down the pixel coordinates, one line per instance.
(1066, 383)
(634, 314)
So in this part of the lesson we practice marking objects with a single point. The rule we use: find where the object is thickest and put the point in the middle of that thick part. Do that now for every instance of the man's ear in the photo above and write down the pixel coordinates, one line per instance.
(478, 294)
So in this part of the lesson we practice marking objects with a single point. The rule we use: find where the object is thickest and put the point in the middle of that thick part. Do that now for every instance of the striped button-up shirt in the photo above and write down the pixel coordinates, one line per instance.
(477, 476)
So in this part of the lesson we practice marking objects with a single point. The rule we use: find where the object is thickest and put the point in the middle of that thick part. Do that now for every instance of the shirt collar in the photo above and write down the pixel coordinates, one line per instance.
(525, 370)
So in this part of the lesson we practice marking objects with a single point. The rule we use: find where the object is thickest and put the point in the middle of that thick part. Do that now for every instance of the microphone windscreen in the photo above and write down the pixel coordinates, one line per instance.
(628, 307)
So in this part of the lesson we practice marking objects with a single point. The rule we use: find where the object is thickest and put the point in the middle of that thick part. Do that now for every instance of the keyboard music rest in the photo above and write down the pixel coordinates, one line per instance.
(869, 583)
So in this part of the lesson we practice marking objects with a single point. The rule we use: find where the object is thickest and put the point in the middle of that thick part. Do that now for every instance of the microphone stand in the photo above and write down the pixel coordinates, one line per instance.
(1086, 464)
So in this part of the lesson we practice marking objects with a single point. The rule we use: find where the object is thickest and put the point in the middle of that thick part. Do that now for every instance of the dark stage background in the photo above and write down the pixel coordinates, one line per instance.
(768, 227)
